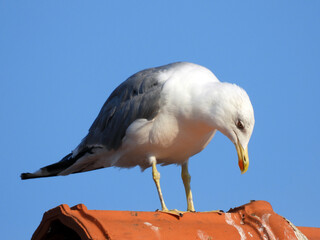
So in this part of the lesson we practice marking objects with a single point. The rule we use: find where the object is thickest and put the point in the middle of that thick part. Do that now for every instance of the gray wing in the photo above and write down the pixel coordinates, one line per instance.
(138, 97)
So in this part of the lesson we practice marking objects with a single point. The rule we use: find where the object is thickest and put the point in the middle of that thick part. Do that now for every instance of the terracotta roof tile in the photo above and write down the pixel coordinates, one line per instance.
(255, 220)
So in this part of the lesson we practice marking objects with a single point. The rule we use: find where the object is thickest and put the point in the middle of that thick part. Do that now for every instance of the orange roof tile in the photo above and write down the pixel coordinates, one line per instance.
(255, 220)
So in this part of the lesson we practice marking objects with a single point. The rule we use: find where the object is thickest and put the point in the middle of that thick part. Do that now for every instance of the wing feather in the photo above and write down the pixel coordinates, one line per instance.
(136, 98)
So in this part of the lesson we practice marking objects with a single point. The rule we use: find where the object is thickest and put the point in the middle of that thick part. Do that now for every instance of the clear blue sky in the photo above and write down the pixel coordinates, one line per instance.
(60, 60)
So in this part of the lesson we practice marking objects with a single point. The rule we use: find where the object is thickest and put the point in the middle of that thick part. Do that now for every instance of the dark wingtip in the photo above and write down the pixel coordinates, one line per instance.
(25, 176)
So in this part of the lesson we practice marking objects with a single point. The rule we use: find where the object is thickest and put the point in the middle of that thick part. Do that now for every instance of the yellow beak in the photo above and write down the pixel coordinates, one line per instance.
(242, 157)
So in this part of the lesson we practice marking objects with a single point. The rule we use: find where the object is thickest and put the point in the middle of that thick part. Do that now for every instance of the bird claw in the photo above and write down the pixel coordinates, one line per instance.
(173, 212)
(215, 211)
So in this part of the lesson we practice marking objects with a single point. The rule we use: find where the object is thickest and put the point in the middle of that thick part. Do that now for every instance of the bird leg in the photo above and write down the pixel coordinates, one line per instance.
(186, 181)
(156, 179)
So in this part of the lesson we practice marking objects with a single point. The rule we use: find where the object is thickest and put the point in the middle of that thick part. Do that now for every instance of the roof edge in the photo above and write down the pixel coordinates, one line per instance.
(255, 220)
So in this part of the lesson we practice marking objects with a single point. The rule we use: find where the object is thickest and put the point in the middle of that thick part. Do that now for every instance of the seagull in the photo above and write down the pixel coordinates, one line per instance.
(162, 115)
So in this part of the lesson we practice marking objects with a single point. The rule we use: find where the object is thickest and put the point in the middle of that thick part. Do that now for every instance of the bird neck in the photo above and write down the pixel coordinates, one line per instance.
(215, 105)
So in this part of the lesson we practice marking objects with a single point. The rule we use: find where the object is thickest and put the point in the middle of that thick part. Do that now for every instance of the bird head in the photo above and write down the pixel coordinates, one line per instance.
(234, 117)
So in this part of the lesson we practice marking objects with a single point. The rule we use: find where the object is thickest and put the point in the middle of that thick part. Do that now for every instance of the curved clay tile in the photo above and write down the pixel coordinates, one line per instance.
(255, 220)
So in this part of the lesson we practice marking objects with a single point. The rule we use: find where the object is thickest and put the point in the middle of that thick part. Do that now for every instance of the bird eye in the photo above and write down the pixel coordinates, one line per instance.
(240, 125)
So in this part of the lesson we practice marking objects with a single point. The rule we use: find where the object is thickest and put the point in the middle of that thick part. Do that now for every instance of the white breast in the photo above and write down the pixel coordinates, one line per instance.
(176, 133)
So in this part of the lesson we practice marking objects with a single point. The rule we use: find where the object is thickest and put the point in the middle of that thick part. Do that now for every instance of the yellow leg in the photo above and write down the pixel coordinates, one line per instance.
(186, 181)
(156, 178)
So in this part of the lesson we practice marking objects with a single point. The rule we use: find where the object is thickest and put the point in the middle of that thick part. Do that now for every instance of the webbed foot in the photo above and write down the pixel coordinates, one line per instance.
(173, 212)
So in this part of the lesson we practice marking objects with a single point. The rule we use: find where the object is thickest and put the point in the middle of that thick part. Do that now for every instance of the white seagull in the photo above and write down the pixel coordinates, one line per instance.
(161, 115)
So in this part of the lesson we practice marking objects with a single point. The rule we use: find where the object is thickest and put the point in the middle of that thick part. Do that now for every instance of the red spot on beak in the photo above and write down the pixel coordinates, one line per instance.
(241, 165)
